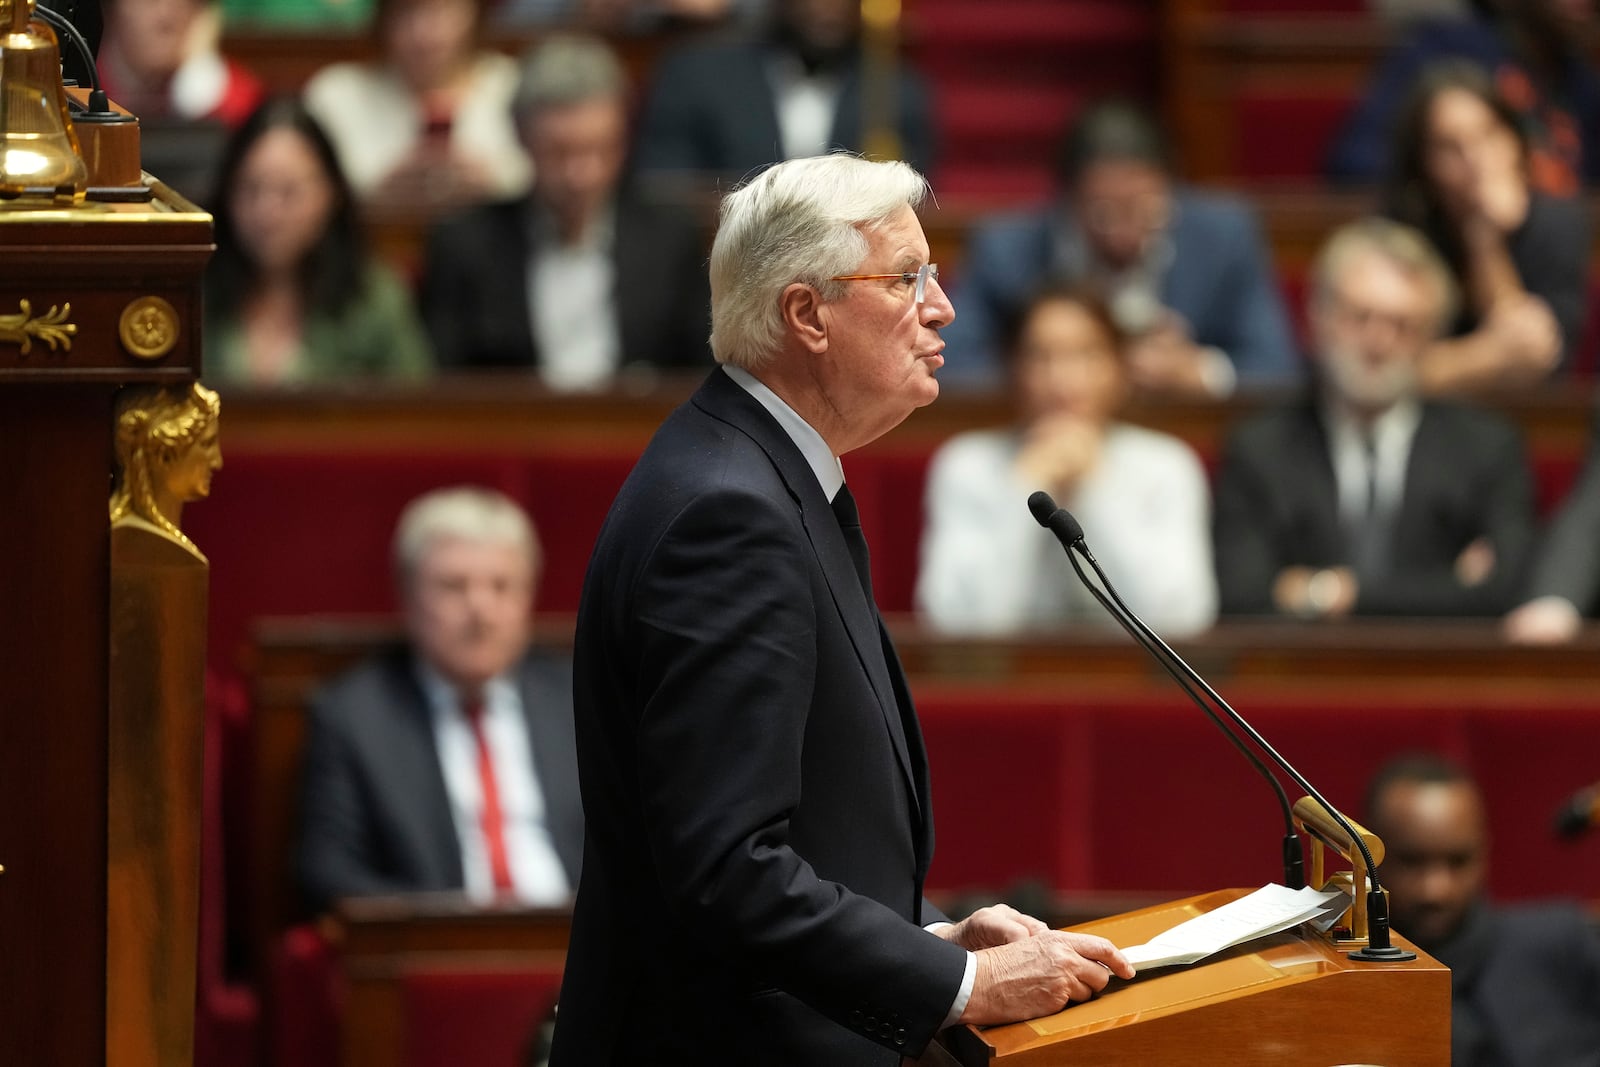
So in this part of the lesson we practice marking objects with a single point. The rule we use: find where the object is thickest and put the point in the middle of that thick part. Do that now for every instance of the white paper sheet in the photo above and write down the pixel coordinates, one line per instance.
(1266, 911)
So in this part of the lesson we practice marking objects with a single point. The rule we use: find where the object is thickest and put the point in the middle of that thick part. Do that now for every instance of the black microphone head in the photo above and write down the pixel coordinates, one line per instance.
(1070, 530)
(1043, 506)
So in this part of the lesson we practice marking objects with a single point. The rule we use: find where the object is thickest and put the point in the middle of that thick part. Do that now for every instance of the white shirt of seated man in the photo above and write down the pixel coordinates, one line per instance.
(468, 602)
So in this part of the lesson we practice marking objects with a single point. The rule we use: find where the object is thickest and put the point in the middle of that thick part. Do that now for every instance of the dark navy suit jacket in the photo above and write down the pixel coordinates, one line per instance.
(753, 775)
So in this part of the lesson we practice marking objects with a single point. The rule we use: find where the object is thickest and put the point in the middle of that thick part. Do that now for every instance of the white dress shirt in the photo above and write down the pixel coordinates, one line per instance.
(987, 567)
(537, 875)
(805, 104)
(573, 307)
(830, 475)
(1392, 434)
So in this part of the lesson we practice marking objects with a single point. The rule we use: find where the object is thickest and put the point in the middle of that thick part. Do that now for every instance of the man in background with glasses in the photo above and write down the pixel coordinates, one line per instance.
(754, 781)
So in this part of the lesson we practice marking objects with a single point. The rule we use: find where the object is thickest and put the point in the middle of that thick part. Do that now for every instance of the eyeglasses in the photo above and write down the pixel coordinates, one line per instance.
(920, 276)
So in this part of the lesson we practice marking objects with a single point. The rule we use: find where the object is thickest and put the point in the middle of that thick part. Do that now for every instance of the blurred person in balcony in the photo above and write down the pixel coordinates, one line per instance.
(1519, 256)
(448, 763)
(627, 16)
(1141, 496)
(1532, 51)
(583, 278)
(792, 87)
(1365, 498)
(160, 59)
(1186, 273)
(1524, 979)
(427, 127)
(291, 294)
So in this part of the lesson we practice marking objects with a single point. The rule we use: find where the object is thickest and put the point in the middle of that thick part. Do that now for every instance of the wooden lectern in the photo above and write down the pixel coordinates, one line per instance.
(1289, 1000)
(92, 298)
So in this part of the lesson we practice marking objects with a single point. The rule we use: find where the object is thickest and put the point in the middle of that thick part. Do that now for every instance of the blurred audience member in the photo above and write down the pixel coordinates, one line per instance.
(1418, 10)
(1565, 585)
(448, 764)
(582, 278)
(291, 294)
(1141, 496)
(1524, 980)
(1534, 51)
(1365, 498)
(1186, 274)
(626, 16)
(1520, 256)
(160, 59)
(793, 88)
(297, 14)
(428, 126)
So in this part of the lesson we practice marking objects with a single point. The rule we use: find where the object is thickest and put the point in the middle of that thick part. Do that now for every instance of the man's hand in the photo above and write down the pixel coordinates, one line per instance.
(1546, 620)
(1039, 975)
(1165, 360)
(998, 924)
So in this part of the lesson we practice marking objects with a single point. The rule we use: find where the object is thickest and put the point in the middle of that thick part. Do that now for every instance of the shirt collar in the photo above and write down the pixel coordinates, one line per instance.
(444, 700)
(824, 464)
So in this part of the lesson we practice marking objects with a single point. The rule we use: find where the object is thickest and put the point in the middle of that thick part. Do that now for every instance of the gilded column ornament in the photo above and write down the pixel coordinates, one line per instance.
(167, 449)
(52, 327)
(148, 327)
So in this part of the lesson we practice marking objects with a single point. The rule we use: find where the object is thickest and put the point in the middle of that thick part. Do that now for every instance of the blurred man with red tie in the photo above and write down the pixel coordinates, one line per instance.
(448, 763)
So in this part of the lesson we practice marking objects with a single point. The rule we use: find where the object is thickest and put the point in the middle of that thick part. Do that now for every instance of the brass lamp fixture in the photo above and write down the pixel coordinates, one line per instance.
(39, 152)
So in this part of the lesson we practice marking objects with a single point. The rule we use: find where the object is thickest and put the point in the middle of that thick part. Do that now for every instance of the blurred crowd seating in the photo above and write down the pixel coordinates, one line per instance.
(298, 527)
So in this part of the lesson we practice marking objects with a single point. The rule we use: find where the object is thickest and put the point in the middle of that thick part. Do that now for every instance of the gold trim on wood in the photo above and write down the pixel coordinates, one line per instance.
(148, 327)
(52, 327)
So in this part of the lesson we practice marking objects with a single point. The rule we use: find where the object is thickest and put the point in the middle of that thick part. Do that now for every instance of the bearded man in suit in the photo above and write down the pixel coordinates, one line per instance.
(448, 763)
(753, 774)
(1365, 498)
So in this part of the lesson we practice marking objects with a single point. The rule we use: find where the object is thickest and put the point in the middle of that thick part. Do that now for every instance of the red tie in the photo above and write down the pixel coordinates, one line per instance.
(494, 835)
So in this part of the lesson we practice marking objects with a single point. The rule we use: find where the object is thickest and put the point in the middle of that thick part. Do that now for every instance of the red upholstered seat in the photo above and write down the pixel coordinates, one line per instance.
(481, 1017)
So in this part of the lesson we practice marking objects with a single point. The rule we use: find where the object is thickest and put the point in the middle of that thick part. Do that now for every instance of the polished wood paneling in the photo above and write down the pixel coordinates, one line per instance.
(55, 478)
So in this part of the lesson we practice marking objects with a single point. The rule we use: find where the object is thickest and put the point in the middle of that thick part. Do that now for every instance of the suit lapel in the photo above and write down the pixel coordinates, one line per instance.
(1322, 491)
(725, 400)
(415, 763)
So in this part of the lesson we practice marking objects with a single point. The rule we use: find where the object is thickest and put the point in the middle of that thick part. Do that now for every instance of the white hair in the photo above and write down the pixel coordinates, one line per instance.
(467, 513)
(804, 220)
(1402, 245)
(568, 68)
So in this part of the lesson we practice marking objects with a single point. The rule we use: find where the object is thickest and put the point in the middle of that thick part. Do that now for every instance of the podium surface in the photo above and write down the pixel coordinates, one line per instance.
(1281, 1001)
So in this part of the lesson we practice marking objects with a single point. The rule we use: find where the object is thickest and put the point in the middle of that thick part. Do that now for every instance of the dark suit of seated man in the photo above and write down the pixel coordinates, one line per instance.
(1524, 980)
(582, 279)
(448, 764)
(1366, 499)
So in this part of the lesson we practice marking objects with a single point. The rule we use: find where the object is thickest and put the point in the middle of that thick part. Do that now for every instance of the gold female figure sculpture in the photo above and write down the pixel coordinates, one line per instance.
(167, 449)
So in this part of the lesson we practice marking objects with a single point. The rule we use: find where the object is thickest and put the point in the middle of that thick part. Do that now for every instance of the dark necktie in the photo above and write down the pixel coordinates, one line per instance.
(844, 509)
(1370, 555)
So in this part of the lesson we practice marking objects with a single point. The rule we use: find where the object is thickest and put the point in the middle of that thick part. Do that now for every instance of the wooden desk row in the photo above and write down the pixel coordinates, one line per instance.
(1061, 760)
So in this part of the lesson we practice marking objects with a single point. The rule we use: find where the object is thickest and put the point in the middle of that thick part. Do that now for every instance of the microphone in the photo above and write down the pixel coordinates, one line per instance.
(1580, 814)
(1060, 522)
(1070, 533)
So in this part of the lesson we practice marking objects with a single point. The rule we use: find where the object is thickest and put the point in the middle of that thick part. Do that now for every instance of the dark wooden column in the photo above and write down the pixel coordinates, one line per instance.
(82, 293)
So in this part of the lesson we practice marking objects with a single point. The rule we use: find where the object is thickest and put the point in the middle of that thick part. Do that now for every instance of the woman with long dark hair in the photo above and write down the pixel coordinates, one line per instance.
(292, 294)
(1460, 175)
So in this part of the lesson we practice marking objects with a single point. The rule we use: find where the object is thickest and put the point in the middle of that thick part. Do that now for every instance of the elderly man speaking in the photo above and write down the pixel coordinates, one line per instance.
(754, 783)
